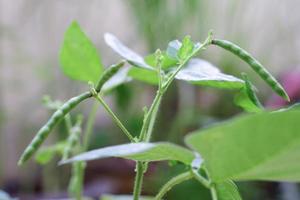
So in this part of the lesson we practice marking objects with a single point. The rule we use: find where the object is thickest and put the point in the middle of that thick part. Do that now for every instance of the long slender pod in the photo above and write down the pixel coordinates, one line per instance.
(107, 74)
(254, 64)
(48, 127)
(250, 90)
(73, 139)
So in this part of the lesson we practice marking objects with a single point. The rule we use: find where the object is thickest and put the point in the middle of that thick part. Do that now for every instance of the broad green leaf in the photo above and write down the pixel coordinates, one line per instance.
(140, 152)
(166, 63)
(123, 197)
(132, 57)
(201, 72)
(79, 58)
(173, 48)
(144, 75)
(242, 100)
(264, 146)
(118, 79)
(45, 155)
(227, 190)
(186, 48)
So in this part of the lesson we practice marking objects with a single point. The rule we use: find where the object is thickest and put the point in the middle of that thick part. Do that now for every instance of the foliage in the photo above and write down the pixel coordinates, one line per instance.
(259, 146)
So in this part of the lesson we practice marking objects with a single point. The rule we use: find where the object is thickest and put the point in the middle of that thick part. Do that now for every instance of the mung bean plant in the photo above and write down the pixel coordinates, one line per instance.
(257, 145)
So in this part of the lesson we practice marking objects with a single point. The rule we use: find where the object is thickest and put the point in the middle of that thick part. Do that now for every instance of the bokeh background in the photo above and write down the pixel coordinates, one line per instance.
(31, 33)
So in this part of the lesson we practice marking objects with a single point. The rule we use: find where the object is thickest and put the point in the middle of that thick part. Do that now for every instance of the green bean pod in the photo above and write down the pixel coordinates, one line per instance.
(107, 74)
(48, 127)
(250, 90)
(254, 64)
(72, 141)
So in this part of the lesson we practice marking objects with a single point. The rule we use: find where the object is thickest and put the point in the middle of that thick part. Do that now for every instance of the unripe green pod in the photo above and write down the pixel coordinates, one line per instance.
(250, 90)
(48, 127)
(73, 140)
(107, 74)
(254, 64)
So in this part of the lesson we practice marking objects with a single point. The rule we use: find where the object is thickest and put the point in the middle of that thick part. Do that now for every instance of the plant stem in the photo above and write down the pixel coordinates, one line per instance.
(212, 186)
(201, 179)
(76, 181)
(89, 126)
(213, 192)
(115, 118)
(171, 183)
(145, 136)
(150, 118)
(75, 185)
(147, 128)
(138, 180)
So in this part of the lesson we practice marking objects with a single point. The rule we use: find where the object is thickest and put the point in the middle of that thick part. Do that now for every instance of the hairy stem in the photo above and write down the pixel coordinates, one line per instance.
(115, 118)
(213, 192)
(89, 126)
(150, 118)
(171, 183)
(77, 176)
(138, 180)
(151, 115)
(76, 182)
(201, 179)
(212, 186)
(145, 136)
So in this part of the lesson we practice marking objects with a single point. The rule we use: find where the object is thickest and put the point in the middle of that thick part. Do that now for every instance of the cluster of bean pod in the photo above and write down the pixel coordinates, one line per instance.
(60, 113)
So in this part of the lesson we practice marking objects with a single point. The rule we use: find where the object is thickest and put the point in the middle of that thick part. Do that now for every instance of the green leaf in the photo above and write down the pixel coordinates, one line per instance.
(132, 57)
(45, 155)
(186, 48)
(138, 151)
(264, 146)
(79, 58)
(227, 190)
(144, 75)
(166, 63)
(242, 100)
(201, 72)
(123, 197)
(173, 48)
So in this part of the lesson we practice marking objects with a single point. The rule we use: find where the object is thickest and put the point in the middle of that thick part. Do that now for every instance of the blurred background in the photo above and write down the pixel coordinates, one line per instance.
(31, 33)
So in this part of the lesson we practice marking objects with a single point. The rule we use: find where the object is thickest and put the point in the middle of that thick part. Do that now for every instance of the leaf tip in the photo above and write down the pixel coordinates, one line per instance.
(286, 97)
(63, 162)
(20, 163)
(108, 37)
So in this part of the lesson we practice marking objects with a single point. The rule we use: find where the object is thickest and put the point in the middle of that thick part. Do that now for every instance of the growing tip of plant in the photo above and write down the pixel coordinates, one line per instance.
(79, 120)
(210, 36)
(91, 84)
